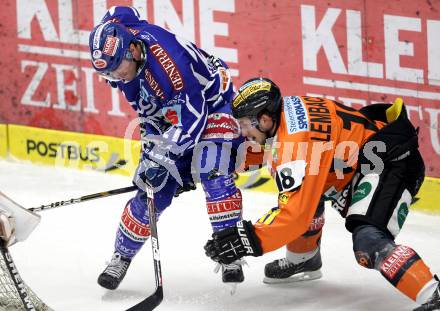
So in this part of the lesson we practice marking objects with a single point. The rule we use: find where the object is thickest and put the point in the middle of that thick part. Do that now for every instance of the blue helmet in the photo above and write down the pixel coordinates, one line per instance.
(109, 44)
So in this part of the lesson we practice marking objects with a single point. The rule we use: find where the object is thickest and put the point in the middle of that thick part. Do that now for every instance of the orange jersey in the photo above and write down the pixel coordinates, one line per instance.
(314, 136)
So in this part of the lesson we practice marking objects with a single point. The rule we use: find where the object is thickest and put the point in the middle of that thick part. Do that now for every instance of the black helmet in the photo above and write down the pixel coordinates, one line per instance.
(257, 96)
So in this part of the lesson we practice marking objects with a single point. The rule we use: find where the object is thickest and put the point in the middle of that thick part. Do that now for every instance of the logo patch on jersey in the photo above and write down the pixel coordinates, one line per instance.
(221, 125)
(283, 198)
(168, 65)
(153, 84)
(401, 214)
(224, 78)
(100, 63)
(361, 192)
(295, 114)
(173, 114)
(110, 46)
(317, 223)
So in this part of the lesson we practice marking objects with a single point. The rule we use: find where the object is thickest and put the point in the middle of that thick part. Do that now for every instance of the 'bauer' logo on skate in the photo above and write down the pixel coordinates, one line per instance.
(244, 238)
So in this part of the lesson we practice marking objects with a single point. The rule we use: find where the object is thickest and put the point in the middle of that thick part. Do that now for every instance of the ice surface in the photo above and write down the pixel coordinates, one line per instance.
(63, 257)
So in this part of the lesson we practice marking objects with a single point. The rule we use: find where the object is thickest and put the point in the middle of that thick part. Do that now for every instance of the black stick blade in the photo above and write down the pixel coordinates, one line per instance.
(149, 303)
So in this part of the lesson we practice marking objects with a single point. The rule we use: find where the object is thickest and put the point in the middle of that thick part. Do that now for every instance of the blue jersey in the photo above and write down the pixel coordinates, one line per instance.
(179, 84)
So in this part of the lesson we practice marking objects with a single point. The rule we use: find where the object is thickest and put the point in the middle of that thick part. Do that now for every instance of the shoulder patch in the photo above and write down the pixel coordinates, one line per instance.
(173, 114)
(295, 114)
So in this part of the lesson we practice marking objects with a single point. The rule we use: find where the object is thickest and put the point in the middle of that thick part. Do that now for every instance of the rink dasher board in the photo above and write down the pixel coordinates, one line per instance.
(3, 140)
(73, 150)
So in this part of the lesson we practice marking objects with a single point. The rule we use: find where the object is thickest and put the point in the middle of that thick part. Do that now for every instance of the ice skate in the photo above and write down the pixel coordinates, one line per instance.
(283, 271)
(433, 303)
(232, 274)
(115, 272)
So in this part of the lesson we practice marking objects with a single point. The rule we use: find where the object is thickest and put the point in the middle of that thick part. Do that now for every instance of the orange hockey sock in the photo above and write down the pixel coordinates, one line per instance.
(406, 271)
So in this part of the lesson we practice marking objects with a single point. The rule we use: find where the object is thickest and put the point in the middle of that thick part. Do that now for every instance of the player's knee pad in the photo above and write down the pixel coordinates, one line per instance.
(371, 246)
(223, 200)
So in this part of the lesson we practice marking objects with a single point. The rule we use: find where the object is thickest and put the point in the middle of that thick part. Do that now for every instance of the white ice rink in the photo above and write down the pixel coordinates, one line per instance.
(63, 257)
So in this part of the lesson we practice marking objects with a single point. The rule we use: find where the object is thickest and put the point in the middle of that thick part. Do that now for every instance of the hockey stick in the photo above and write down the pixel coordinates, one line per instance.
(18, 282)
(83, 199)
(152, 301)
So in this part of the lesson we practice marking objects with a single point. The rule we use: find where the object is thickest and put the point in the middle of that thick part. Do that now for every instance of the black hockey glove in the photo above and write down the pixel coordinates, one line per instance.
(188, 185)
(233, 243)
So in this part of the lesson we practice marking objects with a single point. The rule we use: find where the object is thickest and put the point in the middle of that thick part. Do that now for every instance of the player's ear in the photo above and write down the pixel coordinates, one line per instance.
(266, 121)
(135, 50)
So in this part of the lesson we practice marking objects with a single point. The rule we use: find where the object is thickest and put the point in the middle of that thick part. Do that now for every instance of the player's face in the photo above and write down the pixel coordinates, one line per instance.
(125, 72)
(128, 69)
(250, 131)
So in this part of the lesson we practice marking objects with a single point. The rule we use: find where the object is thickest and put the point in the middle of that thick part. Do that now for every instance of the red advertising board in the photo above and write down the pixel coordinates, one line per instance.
(358, 52)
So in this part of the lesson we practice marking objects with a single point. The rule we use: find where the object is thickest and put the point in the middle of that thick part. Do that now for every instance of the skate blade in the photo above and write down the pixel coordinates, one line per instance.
(231, 288)
(300, 277)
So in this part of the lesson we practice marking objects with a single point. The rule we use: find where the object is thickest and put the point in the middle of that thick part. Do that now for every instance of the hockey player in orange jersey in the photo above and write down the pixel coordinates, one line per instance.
(365, 161)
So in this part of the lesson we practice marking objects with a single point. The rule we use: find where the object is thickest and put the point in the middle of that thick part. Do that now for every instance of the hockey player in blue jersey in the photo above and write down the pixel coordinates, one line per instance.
(182, 96)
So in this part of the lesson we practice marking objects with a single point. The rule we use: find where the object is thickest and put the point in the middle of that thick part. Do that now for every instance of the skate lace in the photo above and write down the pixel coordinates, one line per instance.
(284, 263)
(117, 266)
